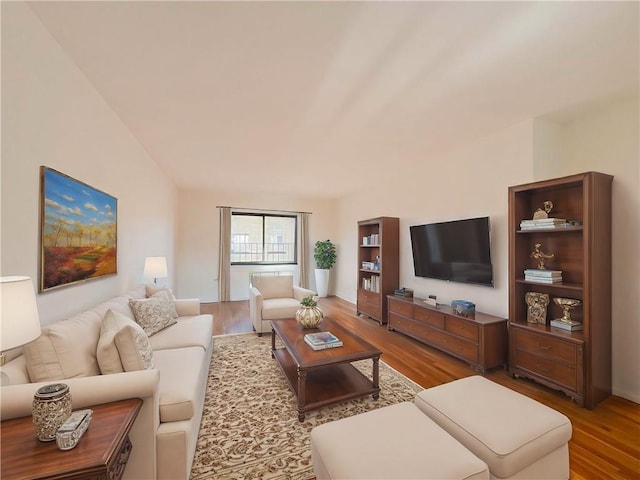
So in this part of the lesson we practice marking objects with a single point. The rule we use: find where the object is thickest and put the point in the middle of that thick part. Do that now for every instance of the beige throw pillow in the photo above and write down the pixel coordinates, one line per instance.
(65, 349)
(107, 352)
(151, 290)
(155, 313)
(132, 344)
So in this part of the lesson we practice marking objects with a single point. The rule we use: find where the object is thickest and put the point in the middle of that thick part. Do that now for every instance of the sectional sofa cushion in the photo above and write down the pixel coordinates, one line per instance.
(151, 290)
(65, 349)
(394, 442)
(155, 313)
(510, 432)
(182, 370)
(194, 331)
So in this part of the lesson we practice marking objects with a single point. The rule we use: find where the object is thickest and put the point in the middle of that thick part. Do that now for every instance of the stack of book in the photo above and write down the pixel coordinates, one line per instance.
(542, 223)
(322, 340)
(543, 276)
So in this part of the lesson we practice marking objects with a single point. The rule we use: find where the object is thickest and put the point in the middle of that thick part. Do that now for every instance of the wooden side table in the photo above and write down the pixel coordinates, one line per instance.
(101, 454)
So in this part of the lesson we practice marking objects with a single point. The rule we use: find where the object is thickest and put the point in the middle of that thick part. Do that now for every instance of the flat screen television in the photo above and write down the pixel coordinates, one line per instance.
(458, 251)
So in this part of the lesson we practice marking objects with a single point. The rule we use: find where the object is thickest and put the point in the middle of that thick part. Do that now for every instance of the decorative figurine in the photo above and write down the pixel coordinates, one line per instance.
(565, 322)
(540, 256)
(543, 212)
(537, 303)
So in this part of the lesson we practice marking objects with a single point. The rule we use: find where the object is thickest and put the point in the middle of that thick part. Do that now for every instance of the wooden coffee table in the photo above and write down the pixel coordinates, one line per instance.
(323, 377)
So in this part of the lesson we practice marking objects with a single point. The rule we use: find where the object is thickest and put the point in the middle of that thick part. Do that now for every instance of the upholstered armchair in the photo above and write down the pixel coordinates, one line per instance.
(273, 296)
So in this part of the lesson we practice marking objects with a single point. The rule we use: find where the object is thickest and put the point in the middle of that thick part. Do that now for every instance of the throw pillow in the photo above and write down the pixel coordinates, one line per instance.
(107, 352)
(65, 349)
(155, 313)
(151, 290)
(132, 344)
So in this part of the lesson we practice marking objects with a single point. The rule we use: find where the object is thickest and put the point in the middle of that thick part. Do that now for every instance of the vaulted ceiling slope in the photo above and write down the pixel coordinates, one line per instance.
(230, 95)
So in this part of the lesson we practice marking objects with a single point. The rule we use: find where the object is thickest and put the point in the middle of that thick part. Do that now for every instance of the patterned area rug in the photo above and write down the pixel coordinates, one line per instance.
(250, 426)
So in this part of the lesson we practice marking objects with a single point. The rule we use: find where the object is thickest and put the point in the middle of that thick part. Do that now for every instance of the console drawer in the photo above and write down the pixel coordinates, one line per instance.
(457, 346)
(546, 346)
(432, 318)
(462, 328)
(401, 308)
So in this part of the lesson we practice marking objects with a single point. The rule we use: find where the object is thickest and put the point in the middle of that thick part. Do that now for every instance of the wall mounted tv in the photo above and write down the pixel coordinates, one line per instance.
(459, 251)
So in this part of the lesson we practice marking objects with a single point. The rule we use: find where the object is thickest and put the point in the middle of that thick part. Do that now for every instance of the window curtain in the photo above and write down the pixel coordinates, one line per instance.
(304, 247)
(224, 264)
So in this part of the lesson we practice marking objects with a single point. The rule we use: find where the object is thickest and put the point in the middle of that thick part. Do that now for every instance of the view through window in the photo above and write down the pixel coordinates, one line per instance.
(263, 239)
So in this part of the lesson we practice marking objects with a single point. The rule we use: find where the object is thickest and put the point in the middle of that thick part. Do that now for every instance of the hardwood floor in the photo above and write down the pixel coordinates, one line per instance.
(605, 442)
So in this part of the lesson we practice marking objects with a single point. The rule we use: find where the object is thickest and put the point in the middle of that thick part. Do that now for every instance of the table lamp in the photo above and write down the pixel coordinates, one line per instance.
(155, 267)
(19, 320)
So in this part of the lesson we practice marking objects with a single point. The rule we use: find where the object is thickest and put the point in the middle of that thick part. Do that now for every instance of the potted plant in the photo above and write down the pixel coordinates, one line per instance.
(324, 254)
(310, 315)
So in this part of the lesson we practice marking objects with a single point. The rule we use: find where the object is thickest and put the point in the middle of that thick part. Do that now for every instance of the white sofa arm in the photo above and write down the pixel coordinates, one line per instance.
(299, 293)
(187, 307)
(85, 391)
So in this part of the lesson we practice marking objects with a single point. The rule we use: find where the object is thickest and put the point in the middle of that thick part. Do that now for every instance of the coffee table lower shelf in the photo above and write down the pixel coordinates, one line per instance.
(317, 387)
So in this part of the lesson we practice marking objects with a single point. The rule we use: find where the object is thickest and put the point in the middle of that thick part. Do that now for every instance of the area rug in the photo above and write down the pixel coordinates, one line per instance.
(250, 427)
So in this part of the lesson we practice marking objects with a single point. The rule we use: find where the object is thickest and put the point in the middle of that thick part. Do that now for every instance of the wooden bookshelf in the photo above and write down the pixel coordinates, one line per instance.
(378, 269)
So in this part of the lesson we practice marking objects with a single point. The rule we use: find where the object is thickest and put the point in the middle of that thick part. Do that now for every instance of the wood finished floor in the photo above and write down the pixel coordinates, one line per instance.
(605, 442)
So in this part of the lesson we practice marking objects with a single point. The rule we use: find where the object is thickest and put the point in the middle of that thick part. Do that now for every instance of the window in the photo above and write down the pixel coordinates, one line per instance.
(263, 239)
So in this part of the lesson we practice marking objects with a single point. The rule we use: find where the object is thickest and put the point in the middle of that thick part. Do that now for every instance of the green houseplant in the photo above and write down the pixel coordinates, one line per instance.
(324, 253)
(325, 256)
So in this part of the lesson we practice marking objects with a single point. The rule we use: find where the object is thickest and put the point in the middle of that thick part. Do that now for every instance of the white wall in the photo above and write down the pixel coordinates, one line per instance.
(199, 232)
(471, 181)
(607, 140)
(52, 116)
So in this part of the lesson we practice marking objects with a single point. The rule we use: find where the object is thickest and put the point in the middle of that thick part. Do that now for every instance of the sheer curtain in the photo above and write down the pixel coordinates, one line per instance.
(304, 247)
(224, 263)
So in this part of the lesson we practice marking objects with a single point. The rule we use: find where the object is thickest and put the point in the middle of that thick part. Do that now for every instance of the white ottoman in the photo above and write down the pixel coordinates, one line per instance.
(516, 436)
(394, 442)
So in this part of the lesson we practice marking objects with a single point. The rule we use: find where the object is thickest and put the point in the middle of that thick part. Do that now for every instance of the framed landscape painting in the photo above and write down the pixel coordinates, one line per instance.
(78, 231)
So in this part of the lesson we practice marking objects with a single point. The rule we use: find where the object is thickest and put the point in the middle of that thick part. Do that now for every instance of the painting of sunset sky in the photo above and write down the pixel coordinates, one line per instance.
(78, 231)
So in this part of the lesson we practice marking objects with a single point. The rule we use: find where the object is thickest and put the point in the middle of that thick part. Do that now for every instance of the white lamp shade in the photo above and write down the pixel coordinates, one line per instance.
(19, 319)
(155, 267)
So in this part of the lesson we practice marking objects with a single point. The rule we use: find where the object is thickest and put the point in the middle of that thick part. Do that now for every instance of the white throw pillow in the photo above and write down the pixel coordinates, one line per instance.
(155, 313)
(132, 344)
(107, 352)
(151, 290)
(65, 349)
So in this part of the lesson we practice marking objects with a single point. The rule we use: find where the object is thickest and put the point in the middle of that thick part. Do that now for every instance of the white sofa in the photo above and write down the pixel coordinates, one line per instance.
(165, 432)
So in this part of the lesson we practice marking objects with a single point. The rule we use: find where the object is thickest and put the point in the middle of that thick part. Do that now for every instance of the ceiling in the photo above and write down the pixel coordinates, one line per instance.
(230, 95)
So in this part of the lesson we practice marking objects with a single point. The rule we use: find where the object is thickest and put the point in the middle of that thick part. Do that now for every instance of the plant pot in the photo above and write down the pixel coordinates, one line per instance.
(309, 317)
(322, 281)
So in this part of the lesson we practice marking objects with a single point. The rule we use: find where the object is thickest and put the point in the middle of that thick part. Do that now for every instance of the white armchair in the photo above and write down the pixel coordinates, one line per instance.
(273, 296)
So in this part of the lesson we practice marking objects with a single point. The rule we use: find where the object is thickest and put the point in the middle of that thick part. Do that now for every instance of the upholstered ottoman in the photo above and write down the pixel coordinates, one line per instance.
(516, 436)
(394, 442)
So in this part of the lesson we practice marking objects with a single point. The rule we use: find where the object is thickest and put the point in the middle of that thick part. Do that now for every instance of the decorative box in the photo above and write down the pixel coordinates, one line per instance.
(463, 307)
(68, 436)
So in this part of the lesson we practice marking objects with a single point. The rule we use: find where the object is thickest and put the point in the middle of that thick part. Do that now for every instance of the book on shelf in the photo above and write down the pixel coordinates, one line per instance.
(371, 240)
(569, 326)
(322, 340)
(371, 284)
